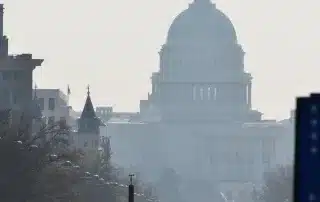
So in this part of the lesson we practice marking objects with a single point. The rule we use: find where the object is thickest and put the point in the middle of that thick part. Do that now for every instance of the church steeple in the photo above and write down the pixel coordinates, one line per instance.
(88, 109)
(88, 121)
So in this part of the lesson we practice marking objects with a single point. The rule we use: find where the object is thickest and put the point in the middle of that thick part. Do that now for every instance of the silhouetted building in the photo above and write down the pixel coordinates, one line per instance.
(306, 147)
(16, 80)
(198, 118)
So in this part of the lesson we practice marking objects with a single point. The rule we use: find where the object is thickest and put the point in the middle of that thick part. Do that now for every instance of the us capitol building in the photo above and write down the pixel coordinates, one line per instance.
(198, 123)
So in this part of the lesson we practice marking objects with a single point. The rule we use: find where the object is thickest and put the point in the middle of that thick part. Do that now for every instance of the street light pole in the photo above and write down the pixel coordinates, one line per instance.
(131, 189)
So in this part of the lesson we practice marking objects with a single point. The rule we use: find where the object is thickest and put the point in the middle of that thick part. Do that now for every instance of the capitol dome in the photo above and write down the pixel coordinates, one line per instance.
(202, 22)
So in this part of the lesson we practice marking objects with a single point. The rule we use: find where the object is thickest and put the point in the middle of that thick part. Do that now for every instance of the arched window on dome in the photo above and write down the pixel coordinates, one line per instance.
(194, 92)
(215, 93)
(209, 93)
(201, 93)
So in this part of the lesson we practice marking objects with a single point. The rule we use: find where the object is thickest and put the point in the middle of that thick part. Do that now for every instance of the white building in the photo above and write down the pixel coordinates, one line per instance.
(55, 107)
(198, 120)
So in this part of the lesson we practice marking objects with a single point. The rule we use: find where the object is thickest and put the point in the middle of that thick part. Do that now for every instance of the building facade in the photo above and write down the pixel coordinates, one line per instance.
(16, 79)
(55, 107)
(198, 119)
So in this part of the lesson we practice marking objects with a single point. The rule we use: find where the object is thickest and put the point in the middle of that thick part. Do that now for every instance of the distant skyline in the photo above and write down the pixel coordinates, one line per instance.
(113, 46)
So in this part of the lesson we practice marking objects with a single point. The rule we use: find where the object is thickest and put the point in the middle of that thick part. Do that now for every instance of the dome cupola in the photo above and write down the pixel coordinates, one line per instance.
(202, 22)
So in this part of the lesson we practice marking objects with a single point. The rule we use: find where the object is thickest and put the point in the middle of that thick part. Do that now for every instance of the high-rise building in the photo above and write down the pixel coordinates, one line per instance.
(16, 79)
(307, 162)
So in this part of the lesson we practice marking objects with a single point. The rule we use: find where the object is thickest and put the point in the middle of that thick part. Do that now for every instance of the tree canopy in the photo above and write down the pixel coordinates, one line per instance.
(42, 167)
(278, 186)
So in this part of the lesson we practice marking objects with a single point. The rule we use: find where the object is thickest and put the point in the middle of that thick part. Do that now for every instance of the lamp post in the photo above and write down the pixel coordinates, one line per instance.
(131, 189)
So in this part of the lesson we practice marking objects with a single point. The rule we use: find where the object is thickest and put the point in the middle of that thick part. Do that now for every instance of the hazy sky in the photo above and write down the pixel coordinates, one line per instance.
(113, 46)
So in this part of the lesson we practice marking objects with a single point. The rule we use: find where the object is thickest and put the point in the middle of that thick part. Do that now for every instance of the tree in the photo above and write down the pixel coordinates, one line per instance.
(25, 157)
(168, 185)
(41, 168)
(278, 186)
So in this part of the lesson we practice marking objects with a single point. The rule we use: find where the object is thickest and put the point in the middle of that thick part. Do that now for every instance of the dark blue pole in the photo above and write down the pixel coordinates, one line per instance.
(131, 189)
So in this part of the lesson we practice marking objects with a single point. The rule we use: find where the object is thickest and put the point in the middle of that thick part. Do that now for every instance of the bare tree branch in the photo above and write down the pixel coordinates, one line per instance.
(278, 186)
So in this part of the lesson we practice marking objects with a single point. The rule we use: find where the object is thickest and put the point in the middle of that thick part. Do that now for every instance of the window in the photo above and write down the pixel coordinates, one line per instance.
(63, 121)
(6, 75)
(85, 144)
(41, 103)
(215, 93)
(194, 92)
(51, 104)
(201, 93)
(16, 75)
(209, 93)
(51, 120)
(6, 98)
(14, 99)
(211, 160)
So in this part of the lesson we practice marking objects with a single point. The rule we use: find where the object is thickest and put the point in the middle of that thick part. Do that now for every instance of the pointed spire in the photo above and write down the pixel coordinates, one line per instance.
(88, 121)
(88, 88)
(68, 90)
(88, 109)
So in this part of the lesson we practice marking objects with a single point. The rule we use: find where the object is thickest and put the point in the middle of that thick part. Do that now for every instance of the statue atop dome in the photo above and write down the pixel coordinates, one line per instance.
(203, 1)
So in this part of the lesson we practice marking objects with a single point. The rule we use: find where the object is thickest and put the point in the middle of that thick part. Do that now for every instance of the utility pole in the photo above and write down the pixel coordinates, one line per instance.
(131, 189)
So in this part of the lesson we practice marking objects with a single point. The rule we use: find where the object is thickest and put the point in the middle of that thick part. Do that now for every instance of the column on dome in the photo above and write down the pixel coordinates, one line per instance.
(161, 56)
(155, 82)
(212, 92)
(249, 87)
(164, 62)
(188, 92)
(194, 92)
(220, 93)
